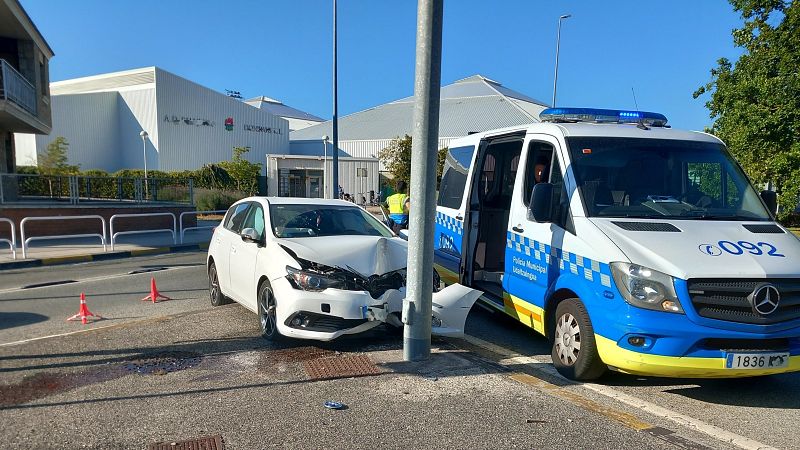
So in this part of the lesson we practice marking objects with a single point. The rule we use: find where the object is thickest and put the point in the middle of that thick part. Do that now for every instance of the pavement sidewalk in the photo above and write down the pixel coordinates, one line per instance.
(208, 373)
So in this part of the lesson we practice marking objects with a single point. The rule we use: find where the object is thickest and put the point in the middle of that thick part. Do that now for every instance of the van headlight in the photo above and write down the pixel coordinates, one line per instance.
(310, 281)
(646, 288)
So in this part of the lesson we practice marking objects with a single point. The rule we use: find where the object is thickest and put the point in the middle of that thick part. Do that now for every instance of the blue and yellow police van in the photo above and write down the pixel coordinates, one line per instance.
(631, 245)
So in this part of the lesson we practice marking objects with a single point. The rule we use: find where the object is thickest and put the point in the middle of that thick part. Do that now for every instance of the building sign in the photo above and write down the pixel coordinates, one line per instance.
(196, 121)
(229, 124)
(261, 129)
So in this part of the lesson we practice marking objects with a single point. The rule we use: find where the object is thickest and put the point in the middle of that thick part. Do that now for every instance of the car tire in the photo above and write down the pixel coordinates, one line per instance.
(574, 348)
(214, 291)
(267, 314)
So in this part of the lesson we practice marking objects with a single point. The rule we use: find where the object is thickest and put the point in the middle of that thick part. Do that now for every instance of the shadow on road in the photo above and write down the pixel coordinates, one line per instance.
(18, 319)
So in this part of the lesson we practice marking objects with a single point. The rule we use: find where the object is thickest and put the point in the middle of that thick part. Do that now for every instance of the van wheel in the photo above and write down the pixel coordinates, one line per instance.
(574, 348)
(214, 291)
(267, 315)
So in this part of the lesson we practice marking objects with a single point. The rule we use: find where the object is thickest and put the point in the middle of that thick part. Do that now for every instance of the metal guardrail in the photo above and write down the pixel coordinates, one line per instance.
(62, 236)
(205, 227)
(13, 242)
(156, 230)
(15, 88)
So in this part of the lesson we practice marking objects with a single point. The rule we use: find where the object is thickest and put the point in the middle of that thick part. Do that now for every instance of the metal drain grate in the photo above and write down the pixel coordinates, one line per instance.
(340, 367)
(163, 363)
(203, 443)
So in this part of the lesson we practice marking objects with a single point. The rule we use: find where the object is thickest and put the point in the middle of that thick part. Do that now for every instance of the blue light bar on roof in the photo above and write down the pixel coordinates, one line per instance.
(597, 115)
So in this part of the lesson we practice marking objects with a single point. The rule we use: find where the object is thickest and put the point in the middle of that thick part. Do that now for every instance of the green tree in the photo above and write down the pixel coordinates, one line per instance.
(243, 172)
(54, 159)
(396, 158)
(53, 162)
(755, 102)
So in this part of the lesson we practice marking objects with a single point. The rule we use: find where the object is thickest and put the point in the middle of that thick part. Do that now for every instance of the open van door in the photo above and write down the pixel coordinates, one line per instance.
(451, 206)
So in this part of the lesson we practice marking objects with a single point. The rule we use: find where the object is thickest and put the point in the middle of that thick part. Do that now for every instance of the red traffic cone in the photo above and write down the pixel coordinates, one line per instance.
(154, 294)
(83, 312)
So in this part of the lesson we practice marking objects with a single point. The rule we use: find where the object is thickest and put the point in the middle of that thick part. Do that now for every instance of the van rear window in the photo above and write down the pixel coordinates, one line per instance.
(454, 176)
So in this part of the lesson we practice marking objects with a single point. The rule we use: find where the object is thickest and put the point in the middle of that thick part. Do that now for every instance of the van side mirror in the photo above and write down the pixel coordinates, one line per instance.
(540, 208)
(771, 200)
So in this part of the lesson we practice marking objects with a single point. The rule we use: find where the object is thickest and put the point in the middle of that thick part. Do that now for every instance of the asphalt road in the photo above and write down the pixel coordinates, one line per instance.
(465, 401)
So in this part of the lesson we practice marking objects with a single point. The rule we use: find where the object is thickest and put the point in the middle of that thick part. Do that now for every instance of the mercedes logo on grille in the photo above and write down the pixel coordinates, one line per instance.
(765, 299)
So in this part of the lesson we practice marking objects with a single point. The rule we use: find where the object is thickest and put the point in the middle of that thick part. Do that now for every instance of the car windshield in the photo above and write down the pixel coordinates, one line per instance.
(294, 221)
(659, 178)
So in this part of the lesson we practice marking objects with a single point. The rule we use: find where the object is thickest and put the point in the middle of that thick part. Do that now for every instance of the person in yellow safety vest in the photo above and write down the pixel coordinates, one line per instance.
(398, 206)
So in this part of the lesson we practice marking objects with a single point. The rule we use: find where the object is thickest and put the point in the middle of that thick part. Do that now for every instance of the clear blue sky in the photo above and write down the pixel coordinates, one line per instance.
(282, 48)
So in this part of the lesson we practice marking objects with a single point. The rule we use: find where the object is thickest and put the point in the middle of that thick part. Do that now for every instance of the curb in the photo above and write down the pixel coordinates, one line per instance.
(28, 263)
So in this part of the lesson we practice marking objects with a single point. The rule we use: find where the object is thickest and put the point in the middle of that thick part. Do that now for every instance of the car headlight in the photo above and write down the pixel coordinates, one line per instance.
(310, 281)
(646, 288)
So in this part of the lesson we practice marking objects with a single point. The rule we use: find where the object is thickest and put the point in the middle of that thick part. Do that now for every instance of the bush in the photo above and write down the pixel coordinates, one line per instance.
(214, 200)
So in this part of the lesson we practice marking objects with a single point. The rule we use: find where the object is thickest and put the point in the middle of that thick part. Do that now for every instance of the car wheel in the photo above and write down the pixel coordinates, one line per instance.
(574, 348)
(267, 315)
(214, 292)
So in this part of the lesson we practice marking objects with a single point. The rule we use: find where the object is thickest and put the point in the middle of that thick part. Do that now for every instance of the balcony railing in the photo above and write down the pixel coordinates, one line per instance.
(16, 89)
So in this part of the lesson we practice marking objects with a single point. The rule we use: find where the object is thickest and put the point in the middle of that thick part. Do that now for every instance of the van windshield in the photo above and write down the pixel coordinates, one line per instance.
(659, 178)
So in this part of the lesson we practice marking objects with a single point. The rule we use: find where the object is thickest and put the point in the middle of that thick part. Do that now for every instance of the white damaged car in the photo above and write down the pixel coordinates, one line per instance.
(318, 269)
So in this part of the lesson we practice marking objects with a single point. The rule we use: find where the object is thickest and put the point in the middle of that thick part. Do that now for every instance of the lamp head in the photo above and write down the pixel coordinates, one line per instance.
(143, 134)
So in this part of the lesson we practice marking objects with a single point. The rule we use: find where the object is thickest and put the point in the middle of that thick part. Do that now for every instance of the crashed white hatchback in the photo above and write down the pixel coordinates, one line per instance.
(318, 269)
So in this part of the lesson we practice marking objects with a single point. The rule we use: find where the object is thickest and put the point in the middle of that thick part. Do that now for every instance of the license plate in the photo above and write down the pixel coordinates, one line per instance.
(756, 360)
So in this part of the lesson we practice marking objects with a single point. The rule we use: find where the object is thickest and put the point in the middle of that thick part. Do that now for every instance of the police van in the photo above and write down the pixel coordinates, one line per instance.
(632, 246)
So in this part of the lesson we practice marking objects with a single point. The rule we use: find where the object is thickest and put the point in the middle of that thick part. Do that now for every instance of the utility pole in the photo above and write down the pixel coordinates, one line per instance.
(335, 162)
(417, 305)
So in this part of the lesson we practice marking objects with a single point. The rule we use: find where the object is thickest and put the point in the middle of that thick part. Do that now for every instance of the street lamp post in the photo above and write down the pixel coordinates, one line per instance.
(144, 135)
(325, 167)
(558, 44)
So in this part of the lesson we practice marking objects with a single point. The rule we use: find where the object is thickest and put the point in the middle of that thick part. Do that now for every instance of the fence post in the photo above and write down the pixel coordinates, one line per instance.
(119, 188)
(2, 182)
(137, 187)
(191, 192)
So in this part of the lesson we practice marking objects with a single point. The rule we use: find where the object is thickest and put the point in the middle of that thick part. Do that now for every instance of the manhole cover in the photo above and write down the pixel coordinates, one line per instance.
(340, 367)
(163, 363)
(203, 443)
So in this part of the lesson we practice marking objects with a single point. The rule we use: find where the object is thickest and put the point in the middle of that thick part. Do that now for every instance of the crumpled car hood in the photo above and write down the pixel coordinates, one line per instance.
(367, 255)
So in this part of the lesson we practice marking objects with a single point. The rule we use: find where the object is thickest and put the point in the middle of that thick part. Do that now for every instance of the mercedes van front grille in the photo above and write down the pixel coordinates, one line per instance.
(729, 299)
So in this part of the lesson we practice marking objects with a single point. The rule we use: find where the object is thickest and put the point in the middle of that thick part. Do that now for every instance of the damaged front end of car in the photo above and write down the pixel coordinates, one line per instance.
(379, 298)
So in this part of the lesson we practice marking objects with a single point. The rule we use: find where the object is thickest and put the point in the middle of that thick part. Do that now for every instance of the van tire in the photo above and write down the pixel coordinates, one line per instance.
(214, 289)
(572, 328)
(267, 315)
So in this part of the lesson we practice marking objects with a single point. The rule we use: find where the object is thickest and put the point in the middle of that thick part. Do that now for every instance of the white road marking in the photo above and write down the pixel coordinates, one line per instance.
(86, 330)
(542, 364)
(97, 278)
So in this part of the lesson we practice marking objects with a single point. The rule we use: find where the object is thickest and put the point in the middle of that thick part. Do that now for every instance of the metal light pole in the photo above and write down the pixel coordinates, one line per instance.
(417, 305)
(335, 164)
(325, 167)
(558, 45)
(144, 135)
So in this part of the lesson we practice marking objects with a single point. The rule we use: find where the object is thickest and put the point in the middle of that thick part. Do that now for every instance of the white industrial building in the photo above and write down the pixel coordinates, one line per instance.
(472, 104)
(297, 119)
(188, 125)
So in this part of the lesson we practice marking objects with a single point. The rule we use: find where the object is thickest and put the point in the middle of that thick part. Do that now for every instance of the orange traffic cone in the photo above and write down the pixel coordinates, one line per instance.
(83, 312)
(154, 294)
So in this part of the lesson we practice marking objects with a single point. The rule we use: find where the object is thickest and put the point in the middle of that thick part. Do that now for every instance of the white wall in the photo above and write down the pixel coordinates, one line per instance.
(189, 146)
(88, 122)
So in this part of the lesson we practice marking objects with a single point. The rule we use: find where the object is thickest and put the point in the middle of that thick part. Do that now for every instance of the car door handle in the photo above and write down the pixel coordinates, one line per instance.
(517, 229)
(233, 249)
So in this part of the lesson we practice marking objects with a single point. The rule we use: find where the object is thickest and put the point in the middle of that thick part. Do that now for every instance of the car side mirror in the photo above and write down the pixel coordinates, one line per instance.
(251, 235)
(540, 208)
(771, 200)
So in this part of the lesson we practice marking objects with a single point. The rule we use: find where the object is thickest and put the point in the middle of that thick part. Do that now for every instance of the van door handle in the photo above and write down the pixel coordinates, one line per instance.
(459, 217)
(517, 229)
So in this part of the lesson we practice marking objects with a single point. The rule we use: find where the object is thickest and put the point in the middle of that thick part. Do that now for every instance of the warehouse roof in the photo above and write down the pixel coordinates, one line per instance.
(472, 104)
(277, 108)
